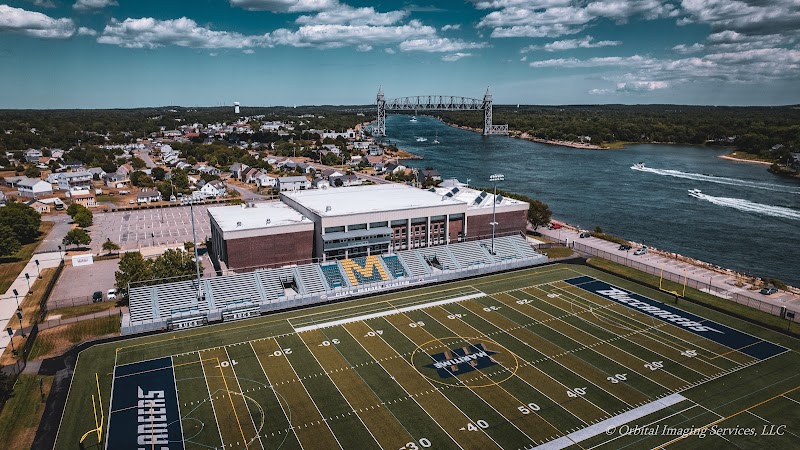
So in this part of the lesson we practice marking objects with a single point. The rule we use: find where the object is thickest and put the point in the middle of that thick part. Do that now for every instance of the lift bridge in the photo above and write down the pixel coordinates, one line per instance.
(437, 103)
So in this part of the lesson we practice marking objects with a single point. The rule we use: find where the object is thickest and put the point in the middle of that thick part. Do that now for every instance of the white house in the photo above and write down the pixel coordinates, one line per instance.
(266, 181)
(293, 183)
(74, 181)
(34, 187)
(320, 183)
(214, 189)
(148, 196)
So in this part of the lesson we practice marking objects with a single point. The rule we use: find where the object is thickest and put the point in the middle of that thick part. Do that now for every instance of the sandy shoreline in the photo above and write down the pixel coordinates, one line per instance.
(527, 137)
(733, 158)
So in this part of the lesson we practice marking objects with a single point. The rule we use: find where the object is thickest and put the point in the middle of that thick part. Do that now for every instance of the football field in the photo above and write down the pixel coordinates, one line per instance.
(559, 356)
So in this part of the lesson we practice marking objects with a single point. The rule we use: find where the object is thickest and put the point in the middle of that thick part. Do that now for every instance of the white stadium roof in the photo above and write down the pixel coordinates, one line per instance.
(258, 216)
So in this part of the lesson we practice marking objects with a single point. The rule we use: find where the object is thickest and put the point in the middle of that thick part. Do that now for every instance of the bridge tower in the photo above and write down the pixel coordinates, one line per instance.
(487, 113)
(381, 123)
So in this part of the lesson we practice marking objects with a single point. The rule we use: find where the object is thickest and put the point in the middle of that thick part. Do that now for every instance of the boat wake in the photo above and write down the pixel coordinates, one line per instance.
(748, 206)
(719, 180)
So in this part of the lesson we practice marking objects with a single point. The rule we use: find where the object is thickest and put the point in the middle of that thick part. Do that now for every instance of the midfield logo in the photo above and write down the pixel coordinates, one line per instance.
(462, 360)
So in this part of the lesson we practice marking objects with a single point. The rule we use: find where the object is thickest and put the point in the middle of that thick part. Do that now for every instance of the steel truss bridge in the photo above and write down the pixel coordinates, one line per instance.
(437, 103)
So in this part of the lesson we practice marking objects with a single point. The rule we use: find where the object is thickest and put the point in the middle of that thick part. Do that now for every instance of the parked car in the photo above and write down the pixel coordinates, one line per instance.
(124, 192)
(131, 202)
(585, 234)
(640, 251)
(554, 225)
(97, 296)
(625, 247)
(769, 290)
(112, 294)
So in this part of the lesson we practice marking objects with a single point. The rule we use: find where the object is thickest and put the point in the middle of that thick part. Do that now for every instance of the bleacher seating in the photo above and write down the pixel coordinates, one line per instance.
(333, 275)
(364, 269)
(413, 260)
(311, 279)
(504, 248)
(394, 265)
(470, 253)
(238, 287)
(441, 254)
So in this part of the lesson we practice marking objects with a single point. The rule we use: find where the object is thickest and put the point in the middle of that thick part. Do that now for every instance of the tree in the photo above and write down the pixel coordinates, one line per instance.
(138, 163)
(75, 208)
(33, 172)
(9, 244)
(174, 263)
(23, 220)
(189, 246)
(84, 218)
(158, 173)
(539, 213)
(110, 246)
(76, 237)
(141, 179)
(133, 268)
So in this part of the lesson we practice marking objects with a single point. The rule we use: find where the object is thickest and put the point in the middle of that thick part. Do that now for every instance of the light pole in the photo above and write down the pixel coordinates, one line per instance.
(38, 272)
(21, 329)
(11, 335)
(60, 254)
(28, 279)
(16, 297)
(196, 257)
(495, 179)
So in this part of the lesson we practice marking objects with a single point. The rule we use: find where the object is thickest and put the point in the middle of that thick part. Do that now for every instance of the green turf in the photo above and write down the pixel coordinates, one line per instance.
(366, 384)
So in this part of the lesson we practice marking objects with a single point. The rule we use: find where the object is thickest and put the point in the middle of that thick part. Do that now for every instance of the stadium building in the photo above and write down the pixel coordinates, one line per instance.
(323, 224)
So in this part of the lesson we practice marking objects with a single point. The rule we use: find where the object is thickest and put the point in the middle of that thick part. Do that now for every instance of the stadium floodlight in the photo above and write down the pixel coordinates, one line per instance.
(495, 178)
(191, 201)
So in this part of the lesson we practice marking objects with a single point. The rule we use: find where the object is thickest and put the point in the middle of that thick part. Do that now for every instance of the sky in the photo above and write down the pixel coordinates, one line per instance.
(135, 53)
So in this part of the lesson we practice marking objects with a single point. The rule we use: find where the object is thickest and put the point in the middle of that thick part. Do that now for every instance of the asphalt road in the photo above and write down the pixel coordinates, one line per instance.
(56, 235)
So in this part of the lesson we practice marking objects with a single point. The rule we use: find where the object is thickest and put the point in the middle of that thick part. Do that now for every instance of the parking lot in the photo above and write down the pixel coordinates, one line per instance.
(76, 284)
(149, 227)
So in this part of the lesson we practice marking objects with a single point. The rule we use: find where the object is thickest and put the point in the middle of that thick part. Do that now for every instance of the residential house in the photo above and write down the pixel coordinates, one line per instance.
(85, 198)
(34, 188)
(214, 189)
(320, 183)
(211, 170)
(375, 150)
(288, 165)
(236, 170)
(328, 173)
(33, 155)
(394, 168)
(293, 183)
(345, 181)
(795, 162)
(74, 165)
(12, 181)
(360, 145)
(423, 175)
(38, 206)
(125, 169)
(97, 173)
(148, 196)
(74, 181)
(183, 165)
(265, 180)
(53, 202)
(117, 180)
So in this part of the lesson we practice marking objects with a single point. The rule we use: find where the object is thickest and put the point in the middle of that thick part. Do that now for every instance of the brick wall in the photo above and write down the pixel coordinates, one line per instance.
(480, 226)
(270, 250)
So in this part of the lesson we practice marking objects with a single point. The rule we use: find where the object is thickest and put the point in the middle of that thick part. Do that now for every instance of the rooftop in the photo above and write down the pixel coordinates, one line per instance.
(368, 199)
(470, 196)
(258, 216)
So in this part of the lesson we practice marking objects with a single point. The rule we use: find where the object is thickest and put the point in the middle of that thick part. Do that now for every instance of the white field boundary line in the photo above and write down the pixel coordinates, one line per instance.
(387, 312)
(608, 424)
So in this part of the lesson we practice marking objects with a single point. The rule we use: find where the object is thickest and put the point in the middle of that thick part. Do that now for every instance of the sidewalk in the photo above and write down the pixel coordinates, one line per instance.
(8, 303)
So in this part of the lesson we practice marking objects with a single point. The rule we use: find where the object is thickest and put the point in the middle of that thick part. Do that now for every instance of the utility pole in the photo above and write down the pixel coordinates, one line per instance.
(495, 179)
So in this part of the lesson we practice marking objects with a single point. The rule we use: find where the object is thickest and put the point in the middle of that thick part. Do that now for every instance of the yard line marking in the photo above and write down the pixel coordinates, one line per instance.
(386, 313)
(408, 393)
(177, 398)
(349, 405)
(307, 393)
(277, 397)
(213, 410)
(602, 427)
(244, 399)
(230, 398)
(620, 435)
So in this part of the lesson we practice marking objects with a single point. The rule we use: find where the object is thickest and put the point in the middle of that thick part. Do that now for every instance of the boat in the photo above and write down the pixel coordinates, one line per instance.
(413, 119)
(436, 139)
(696, 193)
(422, 139)
(638, 166)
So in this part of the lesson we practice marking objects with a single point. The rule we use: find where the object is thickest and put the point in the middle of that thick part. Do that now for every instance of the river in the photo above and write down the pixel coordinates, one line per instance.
(745, 219)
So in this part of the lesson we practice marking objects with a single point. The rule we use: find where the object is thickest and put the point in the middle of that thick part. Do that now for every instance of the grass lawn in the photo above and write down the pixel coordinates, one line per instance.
(11, 266)
(80, 310)
(57, 340)
(557, 252)
(30, 312)
(703, 298)
(21, 414)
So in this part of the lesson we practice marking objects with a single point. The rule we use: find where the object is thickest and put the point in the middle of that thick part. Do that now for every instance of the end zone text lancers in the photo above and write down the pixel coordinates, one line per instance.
(152, 418)
(623, 297)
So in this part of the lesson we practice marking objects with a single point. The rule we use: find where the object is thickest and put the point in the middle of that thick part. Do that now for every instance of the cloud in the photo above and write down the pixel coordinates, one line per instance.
(600, 91)
(754, 17)
(83, 31)
(364, 48)
(285, 6)
(685, 49)
(554, 18)
(335, 36)
(248, 51)
(88, 5)
(455, 56)
(343, 14)
(569, 44)
(35, 24)
(437, 44)
(43, 3)
(389, 50)
(639, 86)
(152, 33)
(616, 61)
(455, 26)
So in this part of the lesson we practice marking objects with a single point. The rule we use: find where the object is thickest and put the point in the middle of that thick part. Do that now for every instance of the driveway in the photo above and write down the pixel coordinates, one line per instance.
(56, 235)
(248, 194)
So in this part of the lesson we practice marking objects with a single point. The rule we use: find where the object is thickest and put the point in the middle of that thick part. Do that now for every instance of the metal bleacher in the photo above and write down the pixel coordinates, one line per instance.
(176, 305)
(333, 275)
(395, 266)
